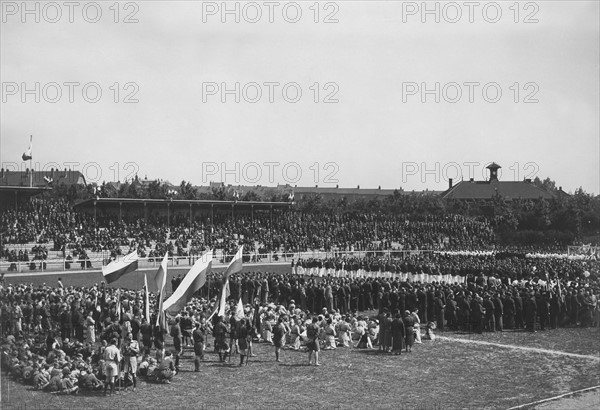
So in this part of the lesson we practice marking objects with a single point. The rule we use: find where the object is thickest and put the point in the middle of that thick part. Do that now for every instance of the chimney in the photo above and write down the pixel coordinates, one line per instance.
(358, 187)
(560, 188)
(493, 167)
(379, 187)
(449, 183)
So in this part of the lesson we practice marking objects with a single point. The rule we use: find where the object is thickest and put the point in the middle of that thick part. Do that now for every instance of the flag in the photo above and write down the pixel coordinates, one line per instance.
(161, 280)
(118, 306)
(27, 154)
(235, 265)
(239, 310)
(116, 269)
(146, 299)
(193, 280)
(223, 298)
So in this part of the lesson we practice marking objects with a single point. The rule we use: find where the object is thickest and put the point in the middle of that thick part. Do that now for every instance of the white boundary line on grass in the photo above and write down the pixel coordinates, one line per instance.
(554, 398)
(529, 349)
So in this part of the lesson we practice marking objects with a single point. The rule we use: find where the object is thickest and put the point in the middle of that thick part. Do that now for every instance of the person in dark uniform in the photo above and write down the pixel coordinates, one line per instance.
(490, 319)
(451, 312)
(519, 323)
(220, 333)
(509, 311)
(530, 312)
(146, 332)
(398, 334)
(66, 324)
(402, 300)
(477, 314)
(368, 295)
(422, 305)
(198, 337)
(409, 323)
(186, 329)
(176, 335)
(498, 312)
(439, 310)
(135, 327)
(243, 341)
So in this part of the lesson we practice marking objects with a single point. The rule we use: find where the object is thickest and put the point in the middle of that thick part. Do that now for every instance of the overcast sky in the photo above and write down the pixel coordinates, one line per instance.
(371, 125)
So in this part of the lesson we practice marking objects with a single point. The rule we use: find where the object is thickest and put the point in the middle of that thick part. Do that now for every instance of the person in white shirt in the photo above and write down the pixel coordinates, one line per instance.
(112, 358)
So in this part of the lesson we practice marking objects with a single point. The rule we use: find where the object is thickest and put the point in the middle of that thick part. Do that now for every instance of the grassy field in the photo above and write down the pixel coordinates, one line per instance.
(444, 374)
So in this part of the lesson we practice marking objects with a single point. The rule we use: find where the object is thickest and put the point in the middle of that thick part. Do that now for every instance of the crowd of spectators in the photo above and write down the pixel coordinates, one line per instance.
(56, 338)
(65, 231)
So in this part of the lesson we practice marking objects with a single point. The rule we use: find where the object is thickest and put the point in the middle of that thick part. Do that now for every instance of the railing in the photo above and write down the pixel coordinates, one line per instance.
(96, 263)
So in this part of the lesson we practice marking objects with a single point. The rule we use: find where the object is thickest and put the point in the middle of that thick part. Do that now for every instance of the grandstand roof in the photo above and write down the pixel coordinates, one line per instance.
(200, 202)
(488, 189)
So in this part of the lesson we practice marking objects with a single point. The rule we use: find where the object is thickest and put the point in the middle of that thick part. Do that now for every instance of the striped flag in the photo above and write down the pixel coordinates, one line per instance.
(193, 280)
(116, 269)
(146, 299)
(161, 275)
(235, 265)
(161, 281)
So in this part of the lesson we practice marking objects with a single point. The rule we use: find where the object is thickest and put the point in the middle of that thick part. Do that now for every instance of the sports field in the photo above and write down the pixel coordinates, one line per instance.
(500, 370)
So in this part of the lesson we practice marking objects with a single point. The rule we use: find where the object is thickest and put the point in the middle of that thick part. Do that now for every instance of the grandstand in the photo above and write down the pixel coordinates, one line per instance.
(60, 221)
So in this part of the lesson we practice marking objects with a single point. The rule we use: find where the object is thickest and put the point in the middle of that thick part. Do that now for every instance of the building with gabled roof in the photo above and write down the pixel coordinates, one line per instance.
(481, 190)
(40, 179)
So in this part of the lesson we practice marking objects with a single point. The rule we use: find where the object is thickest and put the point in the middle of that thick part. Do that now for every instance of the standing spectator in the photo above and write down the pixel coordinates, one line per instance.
(90, 323)
(279, 333)
(243, 341)
(398, 334)
(198, 338)
(312, 334)
(112, 358)
(176, 335)
(131, 350)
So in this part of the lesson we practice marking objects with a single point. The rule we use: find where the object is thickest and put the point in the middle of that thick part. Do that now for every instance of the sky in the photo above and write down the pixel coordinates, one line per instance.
(305, 93)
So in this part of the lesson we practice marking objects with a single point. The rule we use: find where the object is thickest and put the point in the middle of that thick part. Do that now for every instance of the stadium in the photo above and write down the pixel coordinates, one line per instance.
(506, 310)
(299, 205)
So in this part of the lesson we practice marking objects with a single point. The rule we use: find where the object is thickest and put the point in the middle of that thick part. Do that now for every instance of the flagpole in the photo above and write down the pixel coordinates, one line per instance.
(30, 162)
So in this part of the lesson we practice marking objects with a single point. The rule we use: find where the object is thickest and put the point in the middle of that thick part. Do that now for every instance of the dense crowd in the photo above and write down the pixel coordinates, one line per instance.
(465, 265)
(62, 339)
(54, 222)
